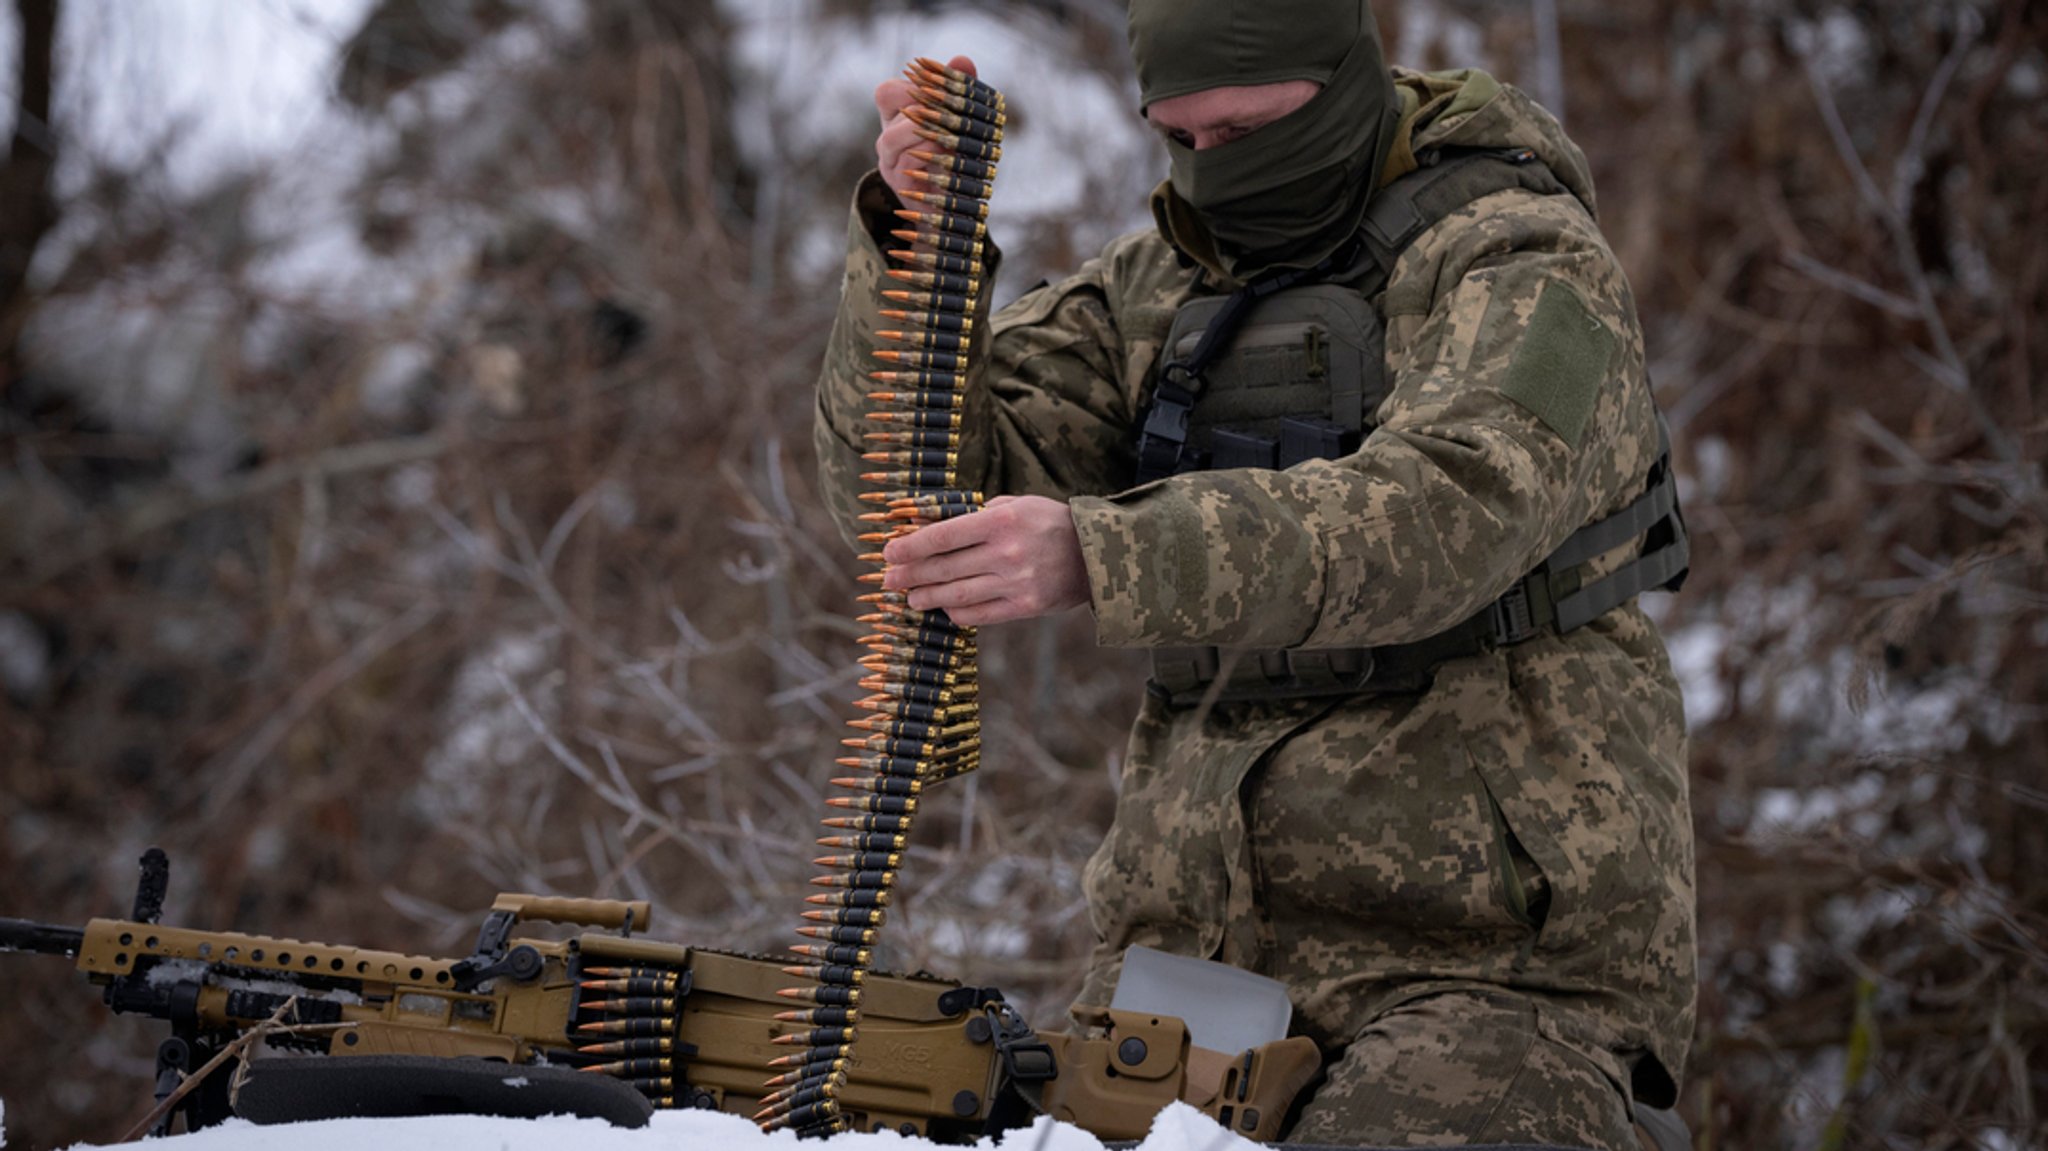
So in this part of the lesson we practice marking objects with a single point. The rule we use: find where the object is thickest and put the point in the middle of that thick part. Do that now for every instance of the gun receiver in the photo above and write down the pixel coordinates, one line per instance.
(681, 1026)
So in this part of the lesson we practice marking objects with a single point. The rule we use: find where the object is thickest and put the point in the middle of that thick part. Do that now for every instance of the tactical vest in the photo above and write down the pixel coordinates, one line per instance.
(1292, 367)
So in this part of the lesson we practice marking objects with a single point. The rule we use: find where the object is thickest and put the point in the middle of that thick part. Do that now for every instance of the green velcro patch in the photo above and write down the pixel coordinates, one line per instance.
(1563, 361)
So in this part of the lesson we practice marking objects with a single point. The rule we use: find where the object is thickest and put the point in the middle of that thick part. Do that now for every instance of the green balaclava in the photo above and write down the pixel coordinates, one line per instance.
(1294, 191)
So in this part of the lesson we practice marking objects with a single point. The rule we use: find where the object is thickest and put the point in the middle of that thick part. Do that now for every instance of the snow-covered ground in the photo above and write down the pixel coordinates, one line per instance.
(1178, 1128)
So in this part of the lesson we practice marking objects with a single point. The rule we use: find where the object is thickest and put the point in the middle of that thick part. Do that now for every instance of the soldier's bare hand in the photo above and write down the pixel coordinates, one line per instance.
(899, 133)
(1018, 558)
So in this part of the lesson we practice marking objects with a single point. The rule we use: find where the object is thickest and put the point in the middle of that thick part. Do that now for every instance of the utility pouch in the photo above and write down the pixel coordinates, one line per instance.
(1300, 380)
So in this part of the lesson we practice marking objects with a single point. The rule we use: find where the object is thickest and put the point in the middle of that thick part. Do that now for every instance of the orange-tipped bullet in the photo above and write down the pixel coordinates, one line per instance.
(860, 936)
(634, 1068)
(968, 285)
(834, 974)
(869, 824)
(871, 880)
(631, 985)
(630, 1047)
(820, 1016)
(850, 916)
(799, 1041)
(852, 897)
(633, 1005)
(957, 205)
(827, 995)
(867, 843)
(640, 1027)
(968, 226)
(829, 953)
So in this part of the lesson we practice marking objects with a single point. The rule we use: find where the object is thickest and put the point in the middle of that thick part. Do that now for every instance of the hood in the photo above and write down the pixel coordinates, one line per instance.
(1470, 109)
(1466, 108)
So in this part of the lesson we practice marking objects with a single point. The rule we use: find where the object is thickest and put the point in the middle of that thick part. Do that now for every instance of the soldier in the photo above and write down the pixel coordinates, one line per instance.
(1410, 746)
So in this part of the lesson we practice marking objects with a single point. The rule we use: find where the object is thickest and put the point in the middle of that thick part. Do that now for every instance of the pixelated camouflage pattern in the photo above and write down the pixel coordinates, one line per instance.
(1364, 850)
(1458, 1068)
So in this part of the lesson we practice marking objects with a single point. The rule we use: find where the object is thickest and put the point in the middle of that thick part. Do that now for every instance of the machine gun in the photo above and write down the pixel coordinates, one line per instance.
(613, 1026)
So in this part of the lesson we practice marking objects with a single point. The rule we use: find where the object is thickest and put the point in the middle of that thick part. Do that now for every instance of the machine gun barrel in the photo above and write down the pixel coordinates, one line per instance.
(31, 938)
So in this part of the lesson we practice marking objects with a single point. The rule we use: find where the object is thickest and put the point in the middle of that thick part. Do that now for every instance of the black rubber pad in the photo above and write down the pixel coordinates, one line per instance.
(398, 1086)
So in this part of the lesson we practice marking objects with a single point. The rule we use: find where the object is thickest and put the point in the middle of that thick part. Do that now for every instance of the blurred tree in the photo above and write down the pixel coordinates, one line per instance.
(27, 209)
(405, 41)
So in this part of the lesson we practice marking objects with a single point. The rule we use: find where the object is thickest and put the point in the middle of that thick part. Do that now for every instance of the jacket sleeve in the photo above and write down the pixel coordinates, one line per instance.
(1048, 409)
(1518, 411)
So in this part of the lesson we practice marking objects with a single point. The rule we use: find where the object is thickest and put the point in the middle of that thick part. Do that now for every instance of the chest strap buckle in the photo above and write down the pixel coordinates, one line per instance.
(1514, 617)
(1163, 441)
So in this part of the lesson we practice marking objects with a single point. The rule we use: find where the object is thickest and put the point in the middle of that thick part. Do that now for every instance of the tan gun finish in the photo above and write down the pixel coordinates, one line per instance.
(926, 1063)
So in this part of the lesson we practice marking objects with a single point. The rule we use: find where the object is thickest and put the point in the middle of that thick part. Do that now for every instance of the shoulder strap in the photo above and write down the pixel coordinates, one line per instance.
(1557, 596)
(1448, 180)
(1662, 564)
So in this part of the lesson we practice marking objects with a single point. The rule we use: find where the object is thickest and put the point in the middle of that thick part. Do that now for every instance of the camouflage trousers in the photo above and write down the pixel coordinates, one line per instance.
(1485, 933)
(1464, 1067)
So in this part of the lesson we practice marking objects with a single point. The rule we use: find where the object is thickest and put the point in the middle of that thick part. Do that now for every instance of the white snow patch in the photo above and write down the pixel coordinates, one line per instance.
(396, 374)
(167, 972)
(487, 736)
(10, 100)
(1784, 968)
(2026, 81)
(958, 938)
(1177, 1128)
(1850, 918)
(24, 654)
(411, 487)
(220, 87)
(1696, 661)
(147, 367)
(1426, 26)
(1838, 45)
(809, 87)
(1713, 465)
(1797, 811)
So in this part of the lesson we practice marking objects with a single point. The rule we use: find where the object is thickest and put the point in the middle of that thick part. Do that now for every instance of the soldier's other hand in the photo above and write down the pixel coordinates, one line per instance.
(899, 134)
(1018, 558)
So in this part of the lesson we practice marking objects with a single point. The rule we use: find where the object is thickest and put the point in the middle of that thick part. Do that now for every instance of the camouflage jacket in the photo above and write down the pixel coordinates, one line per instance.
(1522, 823)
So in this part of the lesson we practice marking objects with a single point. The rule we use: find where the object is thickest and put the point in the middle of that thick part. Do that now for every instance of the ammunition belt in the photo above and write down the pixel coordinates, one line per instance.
(922, 724)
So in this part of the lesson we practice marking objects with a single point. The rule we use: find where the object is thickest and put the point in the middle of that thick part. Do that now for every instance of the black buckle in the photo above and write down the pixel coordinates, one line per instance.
(1026, 1057)
(1513, 620)
(1164, 438)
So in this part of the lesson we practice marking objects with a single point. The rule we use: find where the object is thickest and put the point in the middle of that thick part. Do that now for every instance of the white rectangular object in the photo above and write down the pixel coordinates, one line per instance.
(1226, 1009)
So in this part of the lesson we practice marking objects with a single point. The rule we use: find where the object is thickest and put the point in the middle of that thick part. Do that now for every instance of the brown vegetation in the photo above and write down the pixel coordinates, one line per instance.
(524, 584)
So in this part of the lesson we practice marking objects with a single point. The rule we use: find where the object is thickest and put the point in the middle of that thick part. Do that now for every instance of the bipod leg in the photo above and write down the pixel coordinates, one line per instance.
(173, 1062)
(206, 1104)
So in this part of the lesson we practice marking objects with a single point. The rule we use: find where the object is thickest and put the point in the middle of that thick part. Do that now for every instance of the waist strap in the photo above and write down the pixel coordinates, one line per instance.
(1553, 599)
